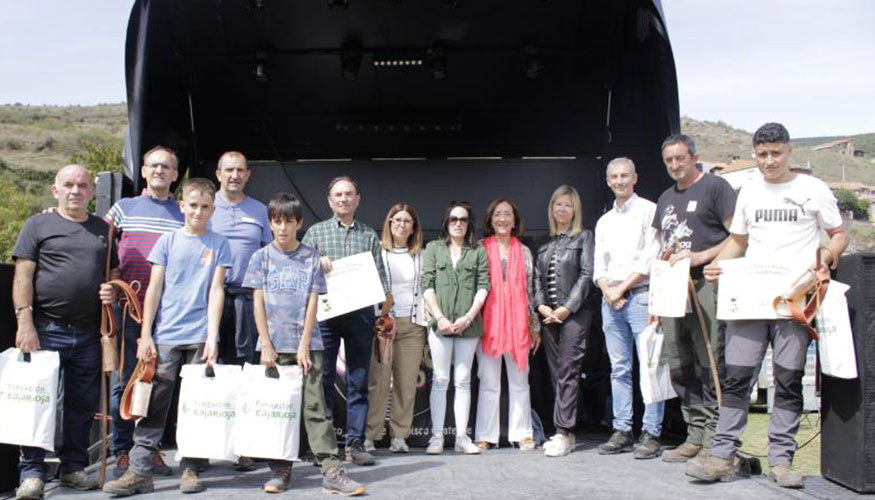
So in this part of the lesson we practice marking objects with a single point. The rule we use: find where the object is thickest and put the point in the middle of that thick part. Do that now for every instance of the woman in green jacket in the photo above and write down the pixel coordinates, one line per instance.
(455, 281)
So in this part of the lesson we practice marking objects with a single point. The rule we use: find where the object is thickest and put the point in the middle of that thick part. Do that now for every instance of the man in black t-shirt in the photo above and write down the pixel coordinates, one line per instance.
(693, 219)
(57, 292)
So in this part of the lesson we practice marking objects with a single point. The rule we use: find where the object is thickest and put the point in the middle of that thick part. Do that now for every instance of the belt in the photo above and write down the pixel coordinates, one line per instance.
(638, 289)
(69, 325)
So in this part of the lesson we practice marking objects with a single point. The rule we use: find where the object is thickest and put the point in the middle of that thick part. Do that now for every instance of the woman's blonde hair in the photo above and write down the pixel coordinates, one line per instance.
(576, 222)
(414, 241)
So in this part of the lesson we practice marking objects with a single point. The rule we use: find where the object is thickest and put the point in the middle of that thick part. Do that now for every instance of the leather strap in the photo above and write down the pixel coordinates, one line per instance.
(812, 295)
(143, 372)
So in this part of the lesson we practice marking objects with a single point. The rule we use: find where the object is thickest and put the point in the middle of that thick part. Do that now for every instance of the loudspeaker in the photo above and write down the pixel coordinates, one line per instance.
(8, 326)
(847, 450)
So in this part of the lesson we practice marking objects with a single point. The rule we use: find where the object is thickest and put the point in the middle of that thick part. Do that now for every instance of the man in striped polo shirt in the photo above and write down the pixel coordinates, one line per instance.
(139, 221)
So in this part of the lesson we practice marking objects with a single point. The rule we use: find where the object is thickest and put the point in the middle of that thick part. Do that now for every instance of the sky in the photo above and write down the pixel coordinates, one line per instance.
(809, 64)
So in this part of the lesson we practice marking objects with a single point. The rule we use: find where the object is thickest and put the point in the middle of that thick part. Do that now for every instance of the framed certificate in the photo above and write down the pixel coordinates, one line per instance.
(353, 283)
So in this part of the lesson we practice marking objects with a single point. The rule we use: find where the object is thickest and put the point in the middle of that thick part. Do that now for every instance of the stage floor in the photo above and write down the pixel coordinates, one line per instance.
(500, 474)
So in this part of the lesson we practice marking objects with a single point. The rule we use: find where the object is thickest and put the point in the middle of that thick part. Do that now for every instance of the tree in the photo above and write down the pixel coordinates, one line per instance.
(17, 206)
(98, 157)
(848, 202)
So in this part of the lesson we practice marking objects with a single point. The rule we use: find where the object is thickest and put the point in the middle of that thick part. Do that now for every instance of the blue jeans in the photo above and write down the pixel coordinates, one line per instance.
(356, 330)
(123, 430)
(621, 329)
(78, 348)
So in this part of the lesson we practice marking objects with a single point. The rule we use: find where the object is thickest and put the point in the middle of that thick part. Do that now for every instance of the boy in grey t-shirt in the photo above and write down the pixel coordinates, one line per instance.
(286, 278)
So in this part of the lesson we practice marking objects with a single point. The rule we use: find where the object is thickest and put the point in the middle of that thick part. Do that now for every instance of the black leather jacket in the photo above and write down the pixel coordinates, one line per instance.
(573, 271)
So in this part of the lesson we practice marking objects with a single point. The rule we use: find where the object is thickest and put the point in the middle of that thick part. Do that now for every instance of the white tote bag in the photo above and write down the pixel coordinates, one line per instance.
(653, 366)
(206, 413)
(836, 344)
(29, 398)
(269, 413)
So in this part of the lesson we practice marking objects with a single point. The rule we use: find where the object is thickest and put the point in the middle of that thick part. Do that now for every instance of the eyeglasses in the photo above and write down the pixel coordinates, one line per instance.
(460, 220)
(400, 222)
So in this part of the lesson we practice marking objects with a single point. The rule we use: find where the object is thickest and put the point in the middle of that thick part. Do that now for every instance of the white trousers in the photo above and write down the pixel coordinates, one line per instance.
(457, 352)
(519, 421)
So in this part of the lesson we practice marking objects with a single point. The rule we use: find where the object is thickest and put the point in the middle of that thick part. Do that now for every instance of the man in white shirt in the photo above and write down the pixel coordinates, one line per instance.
(781, 217)
(625, 243)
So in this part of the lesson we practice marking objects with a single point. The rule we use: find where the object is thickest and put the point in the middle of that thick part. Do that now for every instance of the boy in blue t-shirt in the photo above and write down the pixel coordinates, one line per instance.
(181, 315)
(286, 278)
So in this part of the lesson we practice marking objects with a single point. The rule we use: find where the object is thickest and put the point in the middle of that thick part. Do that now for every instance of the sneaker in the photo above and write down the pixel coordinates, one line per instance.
(335, 481)
(79, 480)
(355, 453)
(647, 446)
(682, 453)
(399, 445)
(435, 446)
(527, 444)
(785, 477)
(121, 465)
(129, 484)
(619, 442)
(369, 446)
(191, 482)
(31, 488)
(559, 445)
(244, 464)
(712, 469)
(162, 469)
(483, 445)
(464, 445)
(280, 479)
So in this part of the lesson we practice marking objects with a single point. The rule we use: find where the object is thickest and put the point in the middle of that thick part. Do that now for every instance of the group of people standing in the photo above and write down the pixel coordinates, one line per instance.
(223, 276)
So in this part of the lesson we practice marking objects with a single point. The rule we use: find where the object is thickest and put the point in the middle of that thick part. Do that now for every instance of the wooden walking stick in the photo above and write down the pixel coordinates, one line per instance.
(703, 326)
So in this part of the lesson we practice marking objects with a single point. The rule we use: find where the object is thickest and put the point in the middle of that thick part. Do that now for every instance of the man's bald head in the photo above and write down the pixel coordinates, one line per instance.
(74, 170)
(73, 188)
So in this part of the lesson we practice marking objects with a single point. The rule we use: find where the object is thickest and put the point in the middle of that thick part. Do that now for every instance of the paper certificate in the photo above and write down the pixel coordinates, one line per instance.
(669, 288)
(748, 287)
(353, 283)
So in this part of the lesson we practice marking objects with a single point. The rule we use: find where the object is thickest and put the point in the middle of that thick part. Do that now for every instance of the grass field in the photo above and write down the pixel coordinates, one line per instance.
(807, 460)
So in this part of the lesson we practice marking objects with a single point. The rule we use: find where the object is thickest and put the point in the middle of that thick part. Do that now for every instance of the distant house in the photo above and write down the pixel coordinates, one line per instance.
(843, 146)
(859, 153)
(737, 172)
(862, 191)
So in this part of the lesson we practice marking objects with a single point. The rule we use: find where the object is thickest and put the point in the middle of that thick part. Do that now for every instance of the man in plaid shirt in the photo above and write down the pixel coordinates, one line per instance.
(338, 237)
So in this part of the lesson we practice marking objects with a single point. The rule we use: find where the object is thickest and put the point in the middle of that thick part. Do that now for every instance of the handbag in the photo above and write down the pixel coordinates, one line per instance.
(29, 397)
(269, 412)
(206, 412)
(655, 379)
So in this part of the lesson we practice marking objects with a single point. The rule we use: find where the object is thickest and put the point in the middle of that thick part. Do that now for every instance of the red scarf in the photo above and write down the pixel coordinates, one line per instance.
(505, 312)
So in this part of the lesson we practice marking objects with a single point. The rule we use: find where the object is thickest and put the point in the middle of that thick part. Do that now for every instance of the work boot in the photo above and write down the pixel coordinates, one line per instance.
(713, 469)
(336, 482)
(355, 453)
(129, 484)
(162, 469)
(191, 482)
(619, 442)
(121, 465)
(244, 464)
(785, 477)
(682, 453)
(700, 457)
(280, 479)
(647, 446)
(31, 488)
(79, 480)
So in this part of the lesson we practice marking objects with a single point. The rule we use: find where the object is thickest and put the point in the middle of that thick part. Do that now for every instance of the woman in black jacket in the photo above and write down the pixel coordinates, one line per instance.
(563, 286)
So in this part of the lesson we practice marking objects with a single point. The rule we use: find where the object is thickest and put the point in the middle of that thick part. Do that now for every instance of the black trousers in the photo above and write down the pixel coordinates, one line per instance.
(565, 346)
